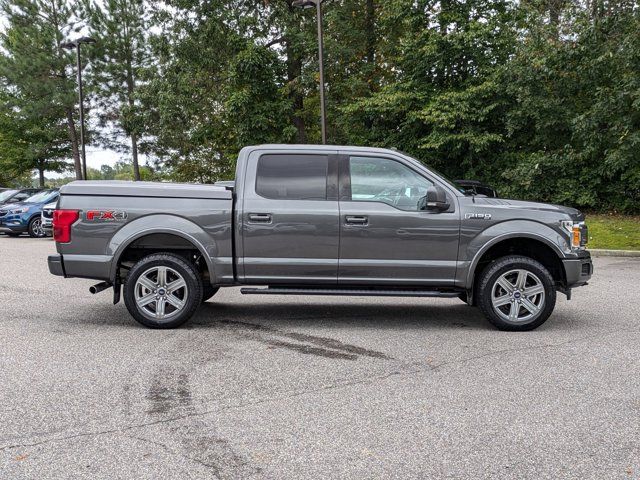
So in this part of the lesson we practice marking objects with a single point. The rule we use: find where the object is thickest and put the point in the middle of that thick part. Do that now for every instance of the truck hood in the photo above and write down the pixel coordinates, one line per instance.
(532, 206)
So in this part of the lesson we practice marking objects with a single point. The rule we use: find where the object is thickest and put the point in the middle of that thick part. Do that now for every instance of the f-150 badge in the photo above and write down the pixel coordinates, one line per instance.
(105, 215)
(478, 216)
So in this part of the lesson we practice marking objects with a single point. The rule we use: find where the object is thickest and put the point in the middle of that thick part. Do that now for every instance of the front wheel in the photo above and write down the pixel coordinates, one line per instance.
(162, 291)
(35, 228)
(516, 293)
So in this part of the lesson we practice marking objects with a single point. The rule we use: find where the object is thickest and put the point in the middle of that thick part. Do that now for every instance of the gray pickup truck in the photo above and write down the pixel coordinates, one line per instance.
(319, 220)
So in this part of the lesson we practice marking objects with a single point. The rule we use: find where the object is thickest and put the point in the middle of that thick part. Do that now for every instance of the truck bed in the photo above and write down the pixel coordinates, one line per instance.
(116, 218)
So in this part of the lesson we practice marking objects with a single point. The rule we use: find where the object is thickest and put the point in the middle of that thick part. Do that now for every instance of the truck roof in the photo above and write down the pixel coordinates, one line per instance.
(288, 146)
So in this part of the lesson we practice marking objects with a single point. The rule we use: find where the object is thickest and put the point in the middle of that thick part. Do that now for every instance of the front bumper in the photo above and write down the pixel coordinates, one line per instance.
(55, 265)
(578, 271)
(13, 228)
(15, 223)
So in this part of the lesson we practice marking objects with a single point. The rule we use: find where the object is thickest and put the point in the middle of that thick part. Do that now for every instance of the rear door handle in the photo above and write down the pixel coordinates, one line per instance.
(260, 218)
(357, 220)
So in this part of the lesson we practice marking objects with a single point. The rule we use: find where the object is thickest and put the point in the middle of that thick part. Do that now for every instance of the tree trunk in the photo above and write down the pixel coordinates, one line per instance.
(73, 138)
(134, 154)
(41, 176)
(131, 85)
(294, 74)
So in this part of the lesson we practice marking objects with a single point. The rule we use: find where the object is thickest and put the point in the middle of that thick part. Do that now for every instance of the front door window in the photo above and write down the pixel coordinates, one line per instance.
(375, 179)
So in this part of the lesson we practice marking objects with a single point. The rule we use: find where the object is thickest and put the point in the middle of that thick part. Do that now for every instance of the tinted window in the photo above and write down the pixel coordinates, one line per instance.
(41, 196)
(7, 194)
(383, 180)
(292, 177)
(489, 192)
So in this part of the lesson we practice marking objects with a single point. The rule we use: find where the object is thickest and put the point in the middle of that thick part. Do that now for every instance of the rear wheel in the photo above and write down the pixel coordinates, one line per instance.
(516, 293)
(162, 291)
(35, 228)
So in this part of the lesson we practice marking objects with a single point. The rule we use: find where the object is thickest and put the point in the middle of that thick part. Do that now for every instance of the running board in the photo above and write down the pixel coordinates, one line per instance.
(354, 292)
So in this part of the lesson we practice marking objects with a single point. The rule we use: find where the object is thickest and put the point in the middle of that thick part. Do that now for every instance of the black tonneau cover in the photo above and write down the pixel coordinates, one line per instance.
(116, 188)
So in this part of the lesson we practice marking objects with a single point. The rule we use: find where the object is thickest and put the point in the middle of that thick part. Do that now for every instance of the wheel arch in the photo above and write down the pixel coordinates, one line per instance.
(187, 234)
(529, 244)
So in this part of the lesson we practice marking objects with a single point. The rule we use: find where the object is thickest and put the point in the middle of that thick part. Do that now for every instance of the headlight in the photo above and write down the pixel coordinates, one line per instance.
(578, 233)
(20, 210)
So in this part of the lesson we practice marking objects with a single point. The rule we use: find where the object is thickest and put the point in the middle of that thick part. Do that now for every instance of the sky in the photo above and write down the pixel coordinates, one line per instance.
(96, 157)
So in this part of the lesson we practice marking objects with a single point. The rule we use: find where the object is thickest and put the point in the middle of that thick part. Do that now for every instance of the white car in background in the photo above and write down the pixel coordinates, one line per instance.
(47, 218)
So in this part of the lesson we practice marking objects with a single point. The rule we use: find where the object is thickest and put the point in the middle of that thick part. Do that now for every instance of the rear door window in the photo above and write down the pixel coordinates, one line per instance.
(292, 176)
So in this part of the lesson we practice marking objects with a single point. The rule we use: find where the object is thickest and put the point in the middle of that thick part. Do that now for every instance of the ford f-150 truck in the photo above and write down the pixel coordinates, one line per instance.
(319, 220)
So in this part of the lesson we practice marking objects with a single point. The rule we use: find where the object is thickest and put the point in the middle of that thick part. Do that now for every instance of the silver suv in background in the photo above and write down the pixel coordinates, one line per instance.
(47, 218)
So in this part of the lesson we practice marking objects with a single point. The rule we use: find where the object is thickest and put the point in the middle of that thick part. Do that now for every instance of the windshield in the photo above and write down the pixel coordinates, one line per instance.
(451, 183)
(7, 194)
(40, 196)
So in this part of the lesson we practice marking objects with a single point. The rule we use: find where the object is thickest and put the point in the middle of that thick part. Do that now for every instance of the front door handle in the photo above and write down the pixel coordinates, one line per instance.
(357, 220)
(260, 218)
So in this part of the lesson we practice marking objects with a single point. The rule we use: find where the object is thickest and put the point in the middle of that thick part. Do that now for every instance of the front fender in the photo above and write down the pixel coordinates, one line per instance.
(162, 223)
(495, 234)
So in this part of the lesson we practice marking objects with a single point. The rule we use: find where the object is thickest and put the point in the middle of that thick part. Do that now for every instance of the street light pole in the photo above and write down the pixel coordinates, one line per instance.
(81, 97)
(323, 113)
(76, 44)
(318, 5)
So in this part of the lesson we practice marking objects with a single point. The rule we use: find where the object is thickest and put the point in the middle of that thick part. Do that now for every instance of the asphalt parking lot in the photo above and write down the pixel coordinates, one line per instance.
(288, 387)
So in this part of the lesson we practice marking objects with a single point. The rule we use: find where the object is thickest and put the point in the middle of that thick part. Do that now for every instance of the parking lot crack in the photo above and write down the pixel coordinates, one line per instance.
(521, 349)
(289, 394)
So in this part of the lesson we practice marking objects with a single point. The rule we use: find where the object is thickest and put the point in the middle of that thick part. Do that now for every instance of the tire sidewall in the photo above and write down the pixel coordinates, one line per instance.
(499, 267)
(191, 278)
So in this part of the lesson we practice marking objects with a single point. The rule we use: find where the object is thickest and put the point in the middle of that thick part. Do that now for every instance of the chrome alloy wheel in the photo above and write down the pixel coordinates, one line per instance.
(37, 229)
(161, 292)
(517, 296)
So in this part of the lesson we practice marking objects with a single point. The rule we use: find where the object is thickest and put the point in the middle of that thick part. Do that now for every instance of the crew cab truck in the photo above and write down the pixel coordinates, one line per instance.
(319, 220)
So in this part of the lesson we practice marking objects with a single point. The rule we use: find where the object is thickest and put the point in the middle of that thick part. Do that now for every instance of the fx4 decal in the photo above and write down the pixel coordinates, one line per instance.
(105, 215)
(478, 216)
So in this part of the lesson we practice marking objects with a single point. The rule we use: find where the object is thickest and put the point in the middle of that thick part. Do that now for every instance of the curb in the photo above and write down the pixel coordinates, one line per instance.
(614, 253)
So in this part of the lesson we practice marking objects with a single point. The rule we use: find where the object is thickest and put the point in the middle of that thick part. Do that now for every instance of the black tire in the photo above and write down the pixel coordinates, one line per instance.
(35, 228)
(208, 291)
(487, 284)
(192, 290)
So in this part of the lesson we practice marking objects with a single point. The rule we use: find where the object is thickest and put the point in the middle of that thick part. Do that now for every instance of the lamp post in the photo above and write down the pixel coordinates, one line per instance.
(318, 6)
(70, 46)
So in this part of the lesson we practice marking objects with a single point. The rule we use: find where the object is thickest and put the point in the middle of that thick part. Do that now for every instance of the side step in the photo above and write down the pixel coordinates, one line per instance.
(354, 292)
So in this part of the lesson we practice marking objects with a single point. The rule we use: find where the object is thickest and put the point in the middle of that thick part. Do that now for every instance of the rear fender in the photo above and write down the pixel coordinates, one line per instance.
(163, 223)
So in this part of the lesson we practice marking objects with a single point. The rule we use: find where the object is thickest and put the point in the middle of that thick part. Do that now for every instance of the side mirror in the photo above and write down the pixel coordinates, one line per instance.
(435, 199)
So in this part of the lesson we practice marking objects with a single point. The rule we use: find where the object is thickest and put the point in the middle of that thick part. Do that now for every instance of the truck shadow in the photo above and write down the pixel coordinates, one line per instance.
(380, 316)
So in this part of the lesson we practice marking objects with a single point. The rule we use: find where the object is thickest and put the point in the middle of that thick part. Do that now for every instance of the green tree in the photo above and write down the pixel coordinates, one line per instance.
(28, 143)
(215, 89)
(39, 95)
(120, 57)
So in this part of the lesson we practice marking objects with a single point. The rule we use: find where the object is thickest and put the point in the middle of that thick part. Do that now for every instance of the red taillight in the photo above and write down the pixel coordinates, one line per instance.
(62, 221)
